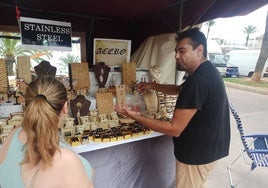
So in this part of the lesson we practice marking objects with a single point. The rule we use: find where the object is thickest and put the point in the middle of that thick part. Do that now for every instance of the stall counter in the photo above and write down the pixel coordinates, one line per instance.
(146, 163)
(92, 146)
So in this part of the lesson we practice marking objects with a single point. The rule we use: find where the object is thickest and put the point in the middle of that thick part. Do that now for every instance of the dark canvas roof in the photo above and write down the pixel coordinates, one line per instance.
(131, 10)
(127, 19)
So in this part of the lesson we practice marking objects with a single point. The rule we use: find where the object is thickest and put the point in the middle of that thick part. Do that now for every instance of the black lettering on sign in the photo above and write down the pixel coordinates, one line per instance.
(111, 51)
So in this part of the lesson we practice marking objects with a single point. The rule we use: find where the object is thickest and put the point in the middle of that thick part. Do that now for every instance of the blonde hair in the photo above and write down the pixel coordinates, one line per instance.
(44, 99)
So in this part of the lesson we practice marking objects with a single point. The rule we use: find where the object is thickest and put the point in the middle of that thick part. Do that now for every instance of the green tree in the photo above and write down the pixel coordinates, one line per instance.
(68, 59)
(209, 24)
(248, 30)
(257, 75)
(10, 49)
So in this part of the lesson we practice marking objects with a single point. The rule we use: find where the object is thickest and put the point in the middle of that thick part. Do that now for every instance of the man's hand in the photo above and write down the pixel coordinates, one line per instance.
(127, 111)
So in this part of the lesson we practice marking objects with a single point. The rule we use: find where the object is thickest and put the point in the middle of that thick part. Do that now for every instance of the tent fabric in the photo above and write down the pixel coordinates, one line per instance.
(158, 51)
(140, 18)
(130, 20)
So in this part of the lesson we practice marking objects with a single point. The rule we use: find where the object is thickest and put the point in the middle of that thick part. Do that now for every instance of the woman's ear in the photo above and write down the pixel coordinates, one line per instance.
(64, 111)
(65, 108)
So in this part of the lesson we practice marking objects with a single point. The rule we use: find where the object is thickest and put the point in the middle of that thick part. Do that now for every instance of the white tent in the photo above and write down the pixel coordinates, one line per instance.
(158, 51)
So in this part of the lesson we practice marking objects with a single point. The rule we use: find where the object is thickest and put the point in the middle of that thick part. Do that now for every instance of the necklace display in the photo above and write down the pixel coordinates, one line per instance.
(45, 69)
(79, 107)
(101, 72)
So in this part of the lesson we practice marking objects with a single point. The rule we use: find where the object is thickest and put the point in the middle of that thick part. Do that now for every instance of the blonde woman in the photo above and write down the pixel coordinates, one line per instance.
(31, 156)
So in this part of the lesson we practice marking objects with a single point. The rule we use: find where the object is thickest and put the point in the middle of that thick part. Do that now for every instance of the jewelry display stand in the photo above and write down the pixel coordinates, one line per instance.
(3, 76)
(45, 69)
(24, 69)
(79, 76)
(101, 72)
(24, 77)
(79, 107)
(129, 75)
(121, 95)
(105, 104)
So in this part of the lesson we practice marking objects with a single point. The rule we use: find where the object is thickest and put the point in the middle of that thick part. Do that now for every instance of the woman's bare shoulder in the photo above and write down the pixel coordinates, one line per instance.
(64, 155)
(72, 169)
(4, 147)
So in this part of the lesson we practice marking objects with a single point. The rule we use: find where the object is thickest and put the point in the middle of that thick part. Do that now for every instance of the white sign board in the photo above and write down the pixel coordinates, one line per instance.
(112, 52)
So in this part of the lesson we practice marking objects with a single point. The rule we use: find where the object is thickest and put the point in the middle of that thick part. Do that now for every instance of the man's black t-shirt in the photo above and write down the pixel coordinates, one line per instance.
(207, 136)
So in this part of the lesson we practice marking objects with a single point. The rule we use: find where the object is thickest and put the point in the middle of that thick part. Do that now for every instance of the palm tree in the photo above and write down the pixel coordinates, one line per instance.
(209, 24)
(263, 55)
(9, 49)
(249, 29)
(68, 59)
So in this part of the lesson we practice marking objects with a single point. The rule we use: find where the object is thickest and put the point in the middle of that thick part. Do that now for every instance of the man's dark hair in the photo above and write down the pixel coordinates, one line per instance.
(196, 36)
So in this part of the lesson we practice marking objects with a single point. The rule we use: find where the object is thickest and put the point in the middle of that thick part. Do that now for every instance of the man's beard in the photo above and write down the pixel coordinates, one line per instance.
(179, 68)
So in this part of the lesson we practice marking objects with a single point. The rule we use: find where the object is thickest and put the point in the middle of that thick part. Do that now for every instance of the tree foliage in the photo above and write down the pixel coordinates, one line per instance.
(10, 48)
(248, 30)
(68, 59)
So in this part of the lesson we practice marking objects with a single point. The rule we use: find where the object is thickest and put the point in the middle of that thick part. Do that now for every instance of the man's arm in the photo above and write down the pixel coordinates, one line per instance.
(170, 89)
(180, 120)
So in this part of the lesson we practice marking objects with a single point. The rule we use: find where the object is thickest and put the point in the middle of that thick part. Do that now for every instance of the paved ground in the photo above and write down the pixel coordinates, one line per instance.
(219, 177)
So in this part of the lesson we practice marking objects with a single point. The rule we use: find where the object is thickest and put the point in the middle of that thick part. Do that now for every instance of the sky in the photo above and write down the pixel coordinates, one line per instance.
(231, 29)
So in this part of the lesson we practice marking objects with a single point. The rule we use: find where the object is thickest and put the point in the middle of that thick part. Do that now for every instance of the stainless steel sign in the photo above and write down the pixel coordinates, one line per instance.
(45, 34)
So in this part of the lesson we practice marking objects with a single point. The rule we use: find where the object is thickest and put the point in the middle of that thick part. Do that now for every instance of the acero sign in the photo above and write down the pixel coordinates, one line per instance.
(112, 52)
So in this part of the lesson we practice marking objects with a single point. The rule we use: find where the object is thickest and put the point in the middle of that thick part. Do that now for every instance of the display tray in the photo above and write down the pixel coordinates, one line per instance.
(92, 146)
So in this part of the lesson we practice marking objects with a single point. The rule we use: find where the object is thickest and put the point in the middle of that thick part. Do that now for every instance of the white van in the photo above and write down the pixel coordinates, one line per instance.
(246, 61)
(216, 56)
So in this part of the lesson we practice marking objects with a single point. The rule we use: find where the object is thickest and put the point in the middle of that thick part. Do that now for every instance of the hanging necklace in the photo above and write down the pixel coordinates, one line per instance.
(101, 73)
(79, 106)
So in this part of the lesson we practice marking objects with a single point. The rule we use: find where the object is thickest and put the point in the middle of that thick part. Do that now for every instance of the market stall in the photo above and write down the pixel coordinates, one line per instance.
(139, 159)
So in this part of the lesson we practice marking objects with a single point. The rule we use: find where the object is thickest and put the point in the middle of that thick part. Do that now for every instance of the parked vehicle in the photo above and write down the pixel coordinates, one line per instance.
(232, 71)
(216, 56)
(265, 74)
(246, 61)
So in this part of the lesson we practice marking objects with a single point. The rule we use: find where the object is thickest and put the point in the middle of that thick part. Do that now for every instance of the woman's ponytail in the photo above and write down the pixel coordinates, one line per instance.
(45, 98)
